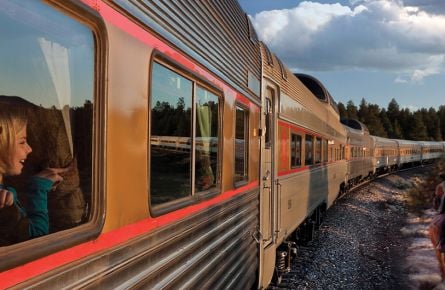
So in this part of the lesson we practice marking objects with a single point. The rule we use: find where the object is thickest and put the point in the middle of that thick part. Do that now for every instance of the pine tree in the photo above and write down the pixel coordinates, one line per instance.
(373, 121)
(417, 129)
(397, 131)
(393, 114)
(352, 110)
(441, 114)
(386, 123)
(342, 110)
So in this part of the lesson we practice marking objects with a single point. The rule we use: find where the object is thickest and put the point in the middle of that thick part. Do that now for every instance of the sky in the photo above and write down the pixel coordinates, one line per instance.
(372, 49)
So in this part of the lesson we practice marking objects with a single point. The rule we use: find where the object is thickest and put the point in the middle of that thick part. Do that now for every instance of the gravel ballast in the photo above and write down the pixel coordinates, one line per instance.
(370, 239)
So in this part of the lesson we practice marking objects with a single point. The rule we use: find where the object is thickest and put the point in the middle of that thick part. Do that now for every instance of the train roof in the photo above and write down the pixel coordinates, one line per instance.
(298, 104)
(355, 124)
(407, 142)
(383, 141)
(317, 88)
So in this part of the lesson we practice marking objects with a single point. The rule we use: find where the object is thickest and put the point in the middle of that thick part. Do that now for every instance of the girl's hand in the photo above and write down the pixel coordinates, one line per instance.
(6, 198)
(53, 174)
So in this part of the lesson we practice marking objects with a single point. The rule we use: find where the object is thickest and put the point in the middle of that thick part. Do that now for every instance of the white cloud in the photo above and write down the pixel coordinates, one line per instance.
(400, 80)
(370, 34)
(432, 67)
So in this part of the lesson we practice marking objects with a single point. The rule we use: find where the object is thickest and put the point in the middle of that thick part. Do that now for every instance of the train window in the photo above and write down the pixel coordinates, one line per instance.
(295, 151)
(206, 141)
(241, 144)
(325, 150)
(317, 150)
(309, 148)
(268, 118)
(171, 136)
(184, 142)
(47, 81)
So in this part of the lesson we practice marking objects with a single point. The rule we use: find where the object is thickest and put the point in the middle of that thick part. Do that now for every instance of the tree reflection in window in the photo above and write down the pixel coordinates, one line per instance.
(170, 161)
(173, 143)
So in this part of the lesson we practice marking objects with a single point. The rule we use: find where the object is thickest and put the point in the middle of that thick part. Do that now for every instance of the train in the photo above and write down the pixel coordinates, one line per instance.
(199, 160)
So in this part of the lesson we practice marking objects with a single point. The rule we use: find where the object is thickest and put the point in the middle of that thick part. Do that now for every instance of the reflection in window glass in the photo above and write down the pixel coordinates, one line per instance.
(47, 75)
(206, 142)
(180, 152)
(295, 151)
(170, 142)
(325, 150)
(318, 150)
(308, 141)
(241, 144)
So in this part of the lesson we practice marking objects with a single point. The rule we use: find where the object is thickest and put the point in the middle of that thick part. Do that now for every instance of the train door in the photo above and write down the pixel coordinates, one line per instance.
(268, 193)
(267, 168)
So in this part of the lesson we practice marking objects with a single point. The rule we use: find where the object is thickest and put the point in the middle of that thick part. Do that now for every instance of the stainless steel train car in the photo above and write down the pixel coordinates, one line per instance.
(156, 106)
(385, 154)
(359, 152)
(410, 153)
(301, 148)
(431, 150)
(192, 156)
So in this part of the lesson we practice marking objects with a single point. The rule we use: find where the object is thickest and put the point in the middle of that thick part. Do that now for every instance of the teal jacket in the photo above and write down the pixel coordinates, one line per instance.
(18, 222)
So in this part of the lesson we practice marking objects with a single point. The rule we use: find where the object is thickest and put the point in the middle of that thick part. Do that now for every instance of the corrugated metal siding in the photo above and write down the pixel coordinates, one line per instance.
(211, 250)
(318, 116)
(215, 32)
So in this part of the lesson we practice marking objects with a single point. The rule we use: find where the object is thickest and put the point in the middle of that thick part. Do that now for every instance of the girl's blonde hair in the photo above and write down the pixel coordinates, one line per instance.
(12, 120)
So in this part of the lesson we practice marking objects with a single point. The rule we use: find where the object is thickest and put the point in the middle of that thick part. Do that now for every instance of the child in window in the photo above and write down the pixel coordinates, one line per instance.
(21, 222)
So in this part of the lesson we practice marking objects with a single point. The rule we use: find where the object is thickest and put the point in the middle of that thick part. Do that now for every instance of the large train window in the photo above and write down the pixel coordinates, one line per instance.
(241, 144)
(309, 149)
(184, 142)
(47, 85)
(295, 153)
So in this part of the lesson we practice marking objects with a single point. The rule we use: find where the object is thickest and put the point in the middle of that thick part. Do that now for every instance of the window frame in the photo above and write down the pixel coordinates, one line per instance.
(294, 166)
(245, 180)
(197, 81)
(324, 150)
(306, 151)
(318, 150)
(27, 251)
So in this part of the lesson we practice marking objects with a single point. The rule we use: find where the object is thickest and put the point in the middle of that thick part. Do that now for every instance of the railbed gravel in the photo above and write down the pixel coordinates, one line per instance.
(360, 244)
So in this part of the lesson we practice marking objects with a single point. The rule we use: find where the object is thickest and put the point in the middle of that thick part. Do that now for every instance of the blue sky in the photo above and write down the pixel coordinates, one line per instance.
(372, 49)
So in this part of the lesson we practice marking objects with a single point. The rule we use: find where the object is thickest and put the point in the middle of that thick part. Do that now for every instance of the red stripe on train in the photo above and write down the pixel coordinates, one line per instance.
(108, 240)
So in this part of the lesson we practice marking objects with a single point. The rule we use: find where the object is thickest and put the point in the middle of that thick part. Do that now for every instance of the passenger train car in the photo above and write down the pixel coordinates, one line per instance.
(194, 157)
(410, 153)
(359, 152)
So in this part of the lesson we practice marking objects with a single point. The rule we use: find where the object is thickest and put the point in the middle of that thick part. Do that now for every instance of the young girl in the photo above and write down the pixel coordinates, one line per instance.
(18, 222)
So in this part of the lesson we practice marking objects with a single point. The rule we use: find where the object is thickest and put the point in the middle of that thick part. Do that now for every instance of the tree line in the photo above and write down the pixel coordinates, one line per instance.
(394, 122)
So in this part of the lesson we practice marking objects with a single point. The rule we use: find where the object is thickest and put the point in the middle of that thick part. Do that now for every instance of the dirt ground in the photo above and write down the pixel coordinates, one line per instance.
(371, 239)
